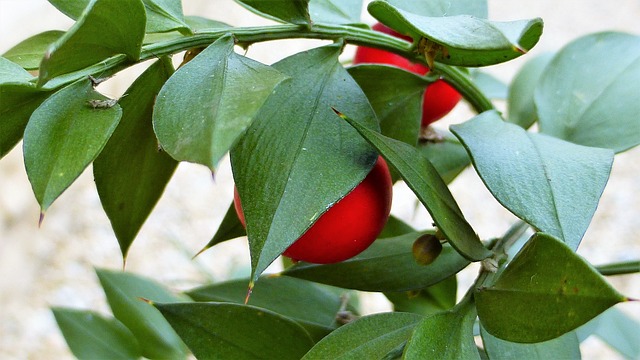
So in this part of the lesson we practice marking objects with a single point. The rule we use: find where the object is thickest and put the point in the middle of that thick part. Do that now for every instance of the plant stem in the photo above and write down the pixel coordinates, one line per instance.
(621, 268)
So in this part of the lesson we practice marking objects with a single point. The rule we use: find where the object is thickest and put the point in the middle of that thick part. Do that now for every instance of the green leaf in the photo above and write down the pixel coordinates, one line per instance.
(291, 11)
(556, 194)
(424, 180)
(98, 34)
(435, 298)
(463, 40)
(131, 173)
(546, 291)
(477, 8)
(92, 336)
(335, 11)
(395, 227)
(296, 146)
(64, 135)
(617, 329)
(491, 86)
(229, 229)
(566, 346)
(520, 103)
(446, 154)
(579, 102)
(209, 102)
(30, 52)
(370, 337)
(124, 293)
(369, 271)
(232, 331)
(445, 335)
(161, 15)
(287, 296)
(396, 97)
(12, 73)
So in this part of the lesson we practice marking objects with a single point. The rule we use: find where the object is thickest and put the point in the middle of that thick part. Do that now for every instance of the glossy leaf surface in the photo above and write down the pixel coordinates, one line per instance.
(30, 52)
(431, 190)
(297, 145)
(547, 290)
(63, 136)
(444, 335)
(287, 296)
(233, 331)
(209, 102)
(124, 293)
(291, 11)
(579, 102)
(99, 33)
(131, 173)
(462, 40)
(369, 271)
(335, 11)
(566, 346)
(556, 194)
(91, 336)
(366, 338)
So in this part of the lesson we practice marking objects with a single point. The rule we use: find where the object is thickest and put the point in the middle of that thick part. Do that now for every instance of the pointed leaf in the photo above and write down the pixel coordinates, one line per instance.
(229, 229)
(335, 11)
(579, 102)
(131, 173)
(284, 295)
(520, 104)
(29, 52)
(64, 135)
(436, 298)
(233, 331)
(296, 146)
(477, 8)
(546, 291)
(446, 154)
(98, 34)
(209, 102)
(369, 271)
(92, 336)
(445, 335)
(556, 194)
(370, 337)
(566, 346)
(124, 293)
(431, 190)
(291, 11)
(462, 40)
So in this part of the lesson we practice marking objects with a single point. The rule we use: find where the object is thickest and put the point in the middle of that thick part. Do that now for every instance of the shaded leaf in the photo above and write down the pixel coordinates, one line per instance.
(520, 103)
(131, 173)
(92, 336)
(546, 291)
(124, 293)
(335, 11)
(617, 329)
(436, 298)
(477, 8)
(395, 227)
(369, 271)
(30, 52)
(579, 102)
(446, 153)
(63, 136)
(424, 180)
(229, 229)
(287, 296)
(491, 86)
(233, 331)
(98, 34)
(209, 102)
(291, 11)
(366, 338)
(556, 194)
(566, 346)
(445, 335)
(462, 40)
(296, 146)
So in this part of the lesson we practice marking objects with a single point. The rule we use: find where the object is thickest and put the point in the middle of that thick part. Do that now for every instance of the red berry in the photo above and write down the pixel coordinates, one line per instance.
(439, 98)
(349, 226)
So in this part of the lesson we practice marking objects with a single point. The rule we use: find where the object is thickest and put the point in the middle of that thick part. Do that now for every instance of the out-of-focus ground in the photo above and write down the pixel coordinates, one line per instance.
(54, 265)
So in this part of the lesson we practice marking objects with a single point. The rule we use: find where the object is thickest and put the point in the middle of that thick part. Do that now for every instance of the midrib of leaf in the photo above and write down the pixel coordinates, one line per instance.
(550, 293)
(218, 103)
(386, 335)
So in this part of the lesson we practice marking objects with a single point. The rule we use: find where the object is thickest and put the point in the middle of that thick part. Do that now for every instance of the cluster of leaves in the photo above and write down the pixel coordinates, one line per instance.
(305, 123)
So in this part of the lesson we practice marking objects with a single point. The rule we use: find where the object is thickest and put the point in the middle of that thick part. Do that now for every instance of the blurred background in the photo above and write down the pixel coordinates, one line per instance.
(54, 265)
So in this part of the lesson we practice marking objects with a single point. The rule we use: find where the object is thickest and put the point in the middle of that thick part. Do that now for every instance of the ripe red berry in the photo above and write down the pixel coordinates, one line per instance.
(439, 98)
(349, 226)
